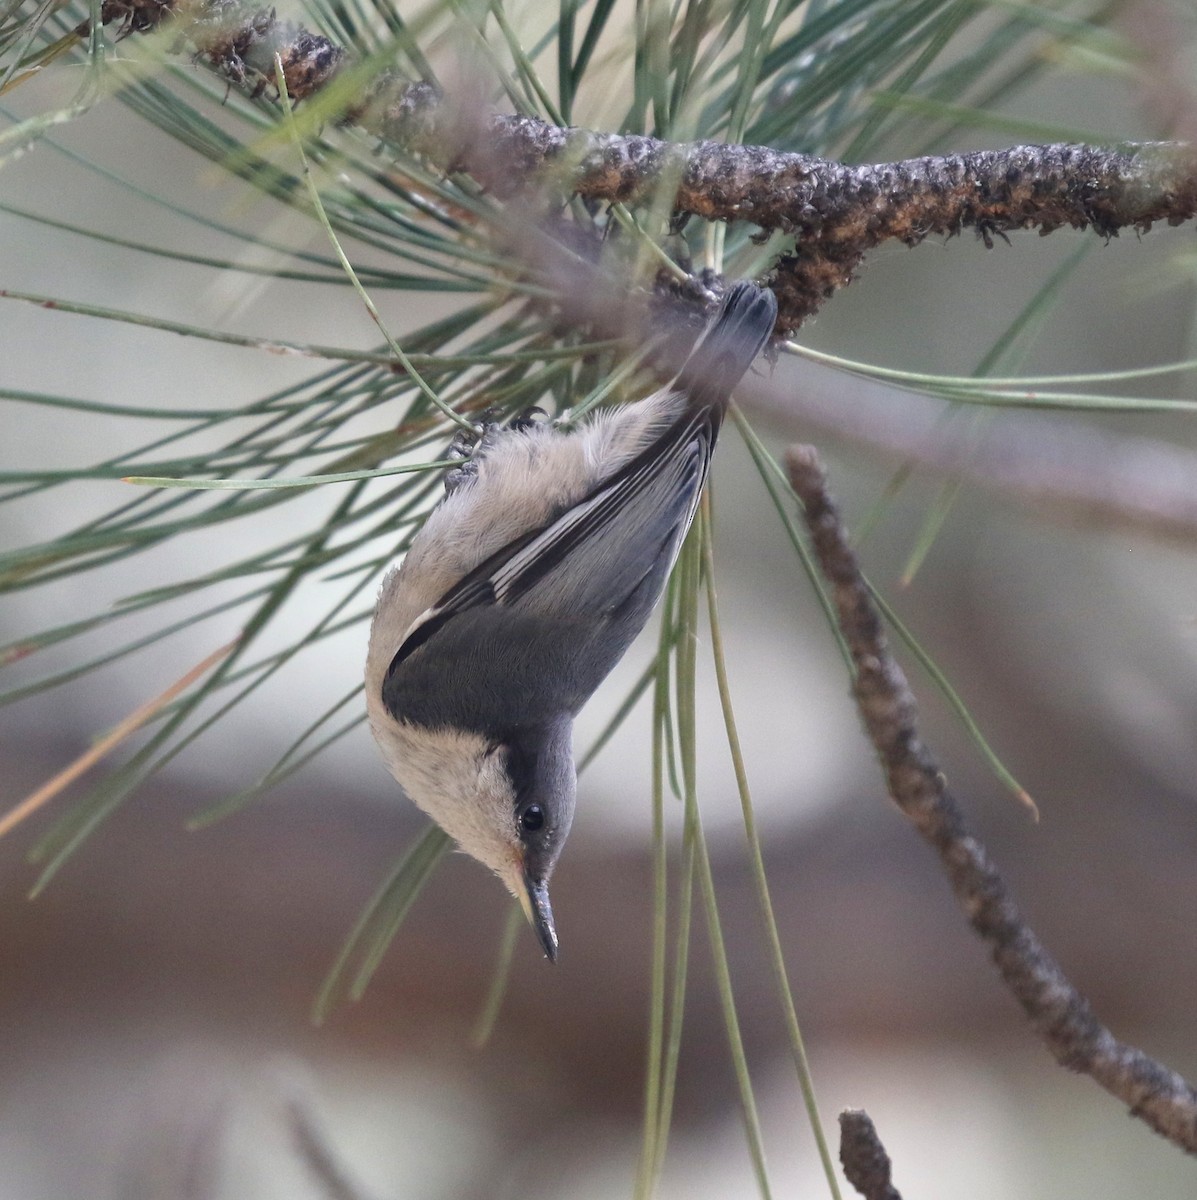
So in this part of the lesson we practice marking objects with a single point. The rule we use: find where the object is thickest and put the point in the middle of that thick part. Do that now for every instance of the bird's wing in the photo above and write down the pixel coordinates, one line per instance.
(588, 560)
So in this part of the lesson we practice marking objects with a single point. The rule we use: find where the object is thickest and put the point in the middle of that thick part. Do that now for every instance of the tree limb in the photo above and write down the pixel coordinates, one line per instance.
(836, 212)
(1057, 1011)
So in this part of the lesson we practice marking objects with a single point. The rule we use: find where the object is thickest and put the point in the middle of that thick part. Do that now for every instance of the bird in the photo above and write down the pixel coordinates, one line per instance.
(525, 586)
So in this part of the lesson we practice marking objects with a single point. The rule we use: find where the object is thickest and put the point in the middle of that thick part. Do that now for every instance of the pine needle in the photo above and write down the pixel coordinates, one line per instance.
(130, 725)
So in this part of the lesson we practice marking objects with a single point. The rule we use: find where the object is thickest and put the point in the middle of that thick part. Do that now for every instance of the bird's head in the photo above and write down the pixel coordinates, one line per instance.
(506, 800)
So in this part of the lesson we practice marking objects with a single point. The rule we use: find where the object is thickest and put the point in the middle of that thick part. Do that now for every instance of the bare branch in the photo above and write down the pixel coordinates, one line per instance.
(849, 210)
(1057, 1011)
(866, 1164)
(1063, 466)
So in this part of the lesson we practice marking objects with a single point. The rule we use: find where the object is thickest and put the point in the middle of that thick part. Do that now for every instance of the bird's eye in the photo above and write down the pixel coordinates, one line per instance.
(532, 818)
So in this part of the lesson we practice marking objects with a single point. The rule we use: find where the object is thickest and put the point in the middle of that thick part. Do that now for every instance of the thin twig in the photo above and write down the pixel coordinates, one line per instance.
(866, 1164)
(1057, 1011)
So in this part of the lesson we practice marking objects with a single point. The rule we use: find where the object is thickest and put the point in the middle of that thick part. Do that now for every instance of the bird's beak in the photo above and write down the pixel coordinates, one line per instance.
(534, 899)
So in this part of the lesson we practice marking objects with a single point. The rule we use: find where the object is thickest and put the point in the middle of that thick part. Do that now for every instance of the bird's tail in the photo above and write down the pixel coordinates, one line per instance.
(734, 338)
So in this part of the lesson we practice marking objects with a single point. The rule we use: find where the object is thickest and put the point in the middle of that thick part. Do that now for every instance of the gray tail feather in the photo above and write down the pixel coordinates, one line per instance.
(735, 337)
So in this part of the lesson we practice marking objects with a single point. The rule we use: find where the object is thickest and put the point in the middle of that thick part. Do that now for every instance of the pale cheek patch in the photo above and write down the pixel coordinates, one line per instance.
(453, 778)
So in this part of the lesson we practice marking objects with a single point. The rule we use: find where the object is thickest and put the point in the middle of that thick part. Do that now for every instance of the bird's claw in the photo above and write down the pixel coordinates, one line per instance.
(470, 445)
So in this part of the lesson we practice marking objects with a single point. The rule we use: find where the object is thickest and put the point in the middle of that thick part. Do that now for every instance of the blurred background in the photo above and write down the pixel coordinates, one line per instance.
(156, 996)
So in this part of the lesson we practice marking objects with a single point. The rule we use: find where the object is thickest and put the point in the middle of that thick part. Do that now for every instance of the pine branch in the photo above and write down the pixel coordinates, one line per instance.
(836, 212)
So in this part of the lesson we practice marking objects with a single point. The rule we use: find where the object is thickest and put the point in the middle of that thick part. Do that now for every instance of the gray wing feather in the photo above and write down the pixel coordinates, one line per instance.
(589, 560)
(532, 632)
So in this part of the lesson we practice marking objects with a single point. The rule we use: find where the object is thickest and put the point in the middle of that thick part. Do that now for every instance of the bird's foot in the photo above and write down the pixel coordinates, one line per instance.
(470, 445)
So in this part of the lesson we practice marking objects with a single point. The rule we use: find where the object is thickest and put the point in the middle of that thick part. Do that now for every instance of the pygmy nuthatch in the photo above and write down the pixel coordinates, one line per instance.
(524, 588)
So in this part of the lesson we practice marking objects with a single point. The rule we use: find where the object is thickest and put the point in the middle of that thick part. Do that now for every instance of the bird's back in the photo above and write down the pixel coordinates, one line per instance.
(530, 581)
